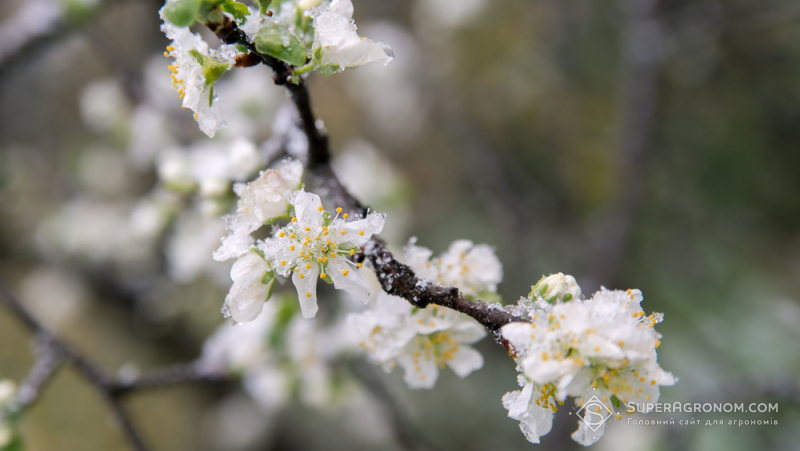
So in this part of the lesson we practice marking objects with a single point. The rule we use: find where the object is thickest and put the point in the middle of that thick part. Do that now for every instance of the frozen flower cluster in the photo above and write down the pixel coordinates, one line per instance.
(472, 268)
(605, 345)
(422, 341)
(313, 245)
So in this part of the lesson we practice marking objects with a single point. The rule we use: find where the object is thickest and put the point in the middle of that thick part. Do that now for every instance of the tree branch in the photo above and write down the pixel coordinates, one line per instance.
(396, 278)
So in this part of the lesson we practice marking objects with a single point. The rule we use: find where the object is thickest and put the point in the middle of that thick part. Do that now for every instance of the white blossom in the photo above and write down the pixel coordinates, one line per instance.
(314, 245)
(422, 341)
(556, 288)
(266, 198)
(250, 289)
(473, 268)
(605, 343)
(190, 76)
(336, 42)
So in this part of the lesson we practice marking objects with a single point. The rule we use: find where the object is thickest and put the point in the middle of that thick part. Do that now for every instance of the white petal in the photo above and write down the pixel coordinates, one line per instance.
(585, 435)
(351, 283)
(372, 224)
(307, 290)
(244, 303)
(307, 209)
(465, 361)
(420, 372)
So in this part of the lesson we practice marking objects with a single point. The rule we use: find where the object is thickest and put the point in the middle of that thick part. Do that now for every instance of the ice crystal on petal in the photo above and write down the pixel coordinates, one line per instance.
(337, 44)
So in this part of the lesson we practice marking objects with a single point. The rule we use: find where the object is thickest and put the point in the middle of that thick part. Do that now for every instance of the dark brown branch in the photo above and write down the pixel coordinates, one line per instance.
(396, 278)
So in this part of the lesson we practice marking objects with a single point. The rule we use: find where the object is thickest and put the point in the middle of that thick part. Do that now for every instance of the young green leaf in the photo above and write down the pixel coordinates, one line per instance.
(278, 42)
(238, 10)
(182, 13)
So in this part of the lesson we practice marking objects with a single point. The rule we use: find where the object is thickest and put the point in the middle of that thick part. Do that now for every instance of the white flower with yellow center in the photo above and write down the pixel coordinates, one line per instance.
(315, 245)
(260, 202)
(422, 341)
(472, 268)
(194, 71)
(606, 343)
(337, 45)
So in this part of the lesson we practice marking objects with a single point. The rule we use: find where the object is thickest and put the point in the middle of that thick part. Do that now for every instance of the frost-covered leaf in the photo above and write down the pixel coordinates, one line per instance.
(277, 41)
(238, 10)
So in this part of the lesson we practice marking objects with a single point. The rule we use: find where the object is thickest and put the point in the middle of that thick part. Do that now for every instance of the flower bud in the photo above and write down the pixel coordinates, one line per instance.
(556, 288)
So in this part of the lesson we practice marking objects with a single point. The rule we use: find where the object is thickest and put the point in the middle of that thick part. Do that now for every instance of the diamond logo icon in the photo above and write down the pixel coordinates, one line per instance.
(594, 413)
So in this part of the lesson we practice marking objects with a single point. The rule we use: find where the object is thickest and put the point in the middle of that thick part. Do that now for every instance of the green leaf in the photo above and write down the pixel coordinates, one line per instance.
(278, 42)
(286, 312)
(259, 252)
(238, 10)
(267, 278)
(328, 70)
(212, 68)
(615, 401)
(326, 218)
(182, 13)
(263, 5)
(347, 246)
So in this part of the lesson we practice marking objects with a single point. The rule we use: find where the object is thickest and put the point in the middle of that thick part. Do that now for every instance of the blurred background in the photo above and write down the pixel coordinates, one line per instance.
(633, 144)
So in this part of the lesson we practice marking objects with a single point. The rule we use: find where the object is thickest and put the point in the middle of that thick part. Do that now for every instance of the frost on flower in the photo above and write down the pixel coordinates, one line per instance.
(472, 268)
(252, 286)
(195, 69)
(605, 343)
(337, 45)
(422, 341)
(261, 201)
(315, 246)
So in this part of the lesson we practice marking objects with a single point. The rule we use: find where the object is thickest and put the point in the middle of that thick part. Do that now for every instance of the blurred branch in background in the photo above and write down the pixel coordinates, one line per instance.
(38, 25)
(53, 353)
(641, 43)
